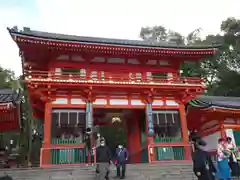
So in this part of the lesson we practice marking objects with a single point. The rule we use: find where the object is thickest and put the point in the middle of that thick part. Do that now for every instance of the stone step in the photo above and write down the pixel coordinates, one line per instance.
(130, 166)
(170, 171)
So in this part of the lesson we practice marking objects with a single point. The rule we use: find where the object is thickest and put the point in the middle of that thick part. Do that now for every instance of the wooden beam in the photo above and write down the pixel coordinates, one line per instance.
(111, 67)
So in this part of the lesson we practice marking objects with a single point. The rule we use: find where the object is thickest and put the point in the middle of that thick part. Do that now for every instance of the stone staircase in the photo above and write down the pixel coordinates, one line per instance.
(169, 171)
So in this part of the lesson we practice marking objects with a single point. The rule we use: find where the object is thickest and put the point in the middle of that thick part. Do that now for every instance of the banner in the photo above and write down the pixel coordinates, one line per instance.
(89, 114)
(149, 116)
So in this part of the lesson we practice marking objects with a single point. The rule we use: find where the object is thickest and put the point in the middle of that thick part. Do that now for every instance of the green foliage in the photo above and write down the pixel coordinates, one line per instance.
(114, 135)
(228, 84)
(221, 73)
(7, 78)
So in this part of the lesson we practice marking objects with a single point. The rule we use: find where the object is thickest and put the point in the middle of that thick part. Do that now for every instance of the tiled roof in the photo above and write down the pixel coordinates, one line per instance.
(10, 96)
(107, 41)
(216, 101)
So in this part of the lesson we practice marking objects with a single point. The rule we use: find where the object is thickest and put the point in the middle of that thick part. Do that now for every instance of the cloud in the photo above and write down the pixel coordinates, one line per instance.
(8, 49)
(123, 19)
(108, 18)
(91, 18)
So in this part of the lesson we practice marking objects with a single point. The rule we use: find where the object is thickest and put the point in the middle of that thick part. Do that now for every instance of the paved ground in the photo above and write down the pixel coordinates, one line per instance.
(166, 171)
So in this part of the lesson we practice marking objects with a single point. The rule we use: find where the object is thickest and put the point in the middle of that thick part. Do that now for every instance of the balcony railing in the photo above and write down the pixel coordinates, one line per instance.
(175, 152)
(62, 156)
(110, 78)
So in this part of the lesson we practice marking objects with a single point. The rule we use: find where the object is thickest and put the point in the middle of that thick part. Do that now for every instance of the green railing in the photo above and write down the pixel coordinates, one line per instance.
(143, 143)
(169, 153)
(236, 135)
(144, 156)
(69, 156)
(167, 139)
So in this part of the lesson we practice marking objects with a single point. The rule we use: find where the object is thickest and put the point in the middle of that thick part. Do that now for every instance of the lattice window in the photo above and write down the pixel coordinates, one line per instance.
(167, 124)
(68, 124)
(71, 71)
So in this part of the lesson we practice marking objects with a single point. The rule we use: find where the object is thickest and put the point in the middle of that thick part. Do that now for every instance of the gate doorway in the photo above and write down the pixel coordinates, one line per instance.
(122, 126)
(114, 135)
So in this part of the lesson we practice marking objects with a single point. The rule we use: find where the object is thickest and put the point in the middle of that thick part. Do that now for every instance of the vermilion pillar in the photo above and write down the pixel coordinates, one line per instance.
(222, 129)
(149, 130)
(183, 123)
(47, 125)
(184, 131)
(133, 138)
(47, 134)
(89, 124)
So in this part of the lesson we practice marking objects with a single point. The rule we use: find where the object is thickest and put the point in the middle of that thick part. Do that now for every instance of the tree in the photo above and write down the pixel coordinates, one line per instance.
(231, 30)
(227, 83)
(7, 78)
(158, 33)
(217, 71)
(203, 69)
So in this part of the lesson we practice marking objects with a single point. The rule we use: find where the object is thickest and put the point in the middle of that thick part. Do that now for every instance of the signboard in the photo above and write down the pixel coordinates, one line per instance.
(149, 114)
(89, 112)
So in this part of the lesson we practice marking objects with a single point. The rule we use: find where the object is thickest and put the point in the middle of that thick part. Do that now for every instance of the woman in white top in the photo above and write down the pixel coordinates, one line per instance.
(233, 164)
(223, 169)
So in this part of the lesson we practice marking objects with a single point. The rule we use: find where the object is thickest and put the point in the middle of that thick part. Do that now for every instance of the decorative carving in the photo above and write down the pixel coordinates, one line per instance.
(116, 120)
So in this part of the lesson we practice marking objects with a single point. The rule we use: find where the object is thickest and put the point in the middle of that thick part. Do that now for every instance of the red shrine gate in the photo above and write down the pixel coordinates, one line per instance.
(69, 77)
(10, 110)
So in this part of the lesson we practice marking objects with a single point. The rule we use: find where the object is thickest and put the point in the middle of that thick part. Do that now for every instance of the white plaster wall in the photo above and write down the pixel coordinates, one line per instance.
(212, 141)
(157, 103)
(100, 102)
(118, 102)
(60, 101)
(77, 101)
(171, 103)
(136, 102)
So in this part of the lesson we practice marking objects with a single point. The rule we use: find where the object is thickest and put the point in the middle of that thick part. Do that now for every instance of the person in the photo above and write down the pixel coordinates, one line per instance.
(103, 158)
(97, 141)
(87, 138)
(97, 144)
(203, 166)
(223, 154)
(121, 160)
(194, 136)
(87, 141)
(233, 161)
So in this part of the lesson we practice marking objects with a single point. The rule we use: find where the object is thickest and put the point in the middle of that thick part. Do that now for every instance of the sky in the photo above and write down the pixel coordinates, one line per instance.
(107, 18)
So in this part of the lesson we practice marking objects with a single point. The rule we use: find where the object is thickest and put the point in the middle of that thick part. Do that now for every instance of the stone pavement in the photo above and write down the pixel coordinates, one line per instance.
(169, 171)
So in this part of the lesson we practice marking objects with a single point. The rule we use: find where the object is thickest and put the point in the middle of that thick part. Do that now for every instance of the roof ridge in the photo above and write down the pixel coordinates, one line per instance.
(141, 43)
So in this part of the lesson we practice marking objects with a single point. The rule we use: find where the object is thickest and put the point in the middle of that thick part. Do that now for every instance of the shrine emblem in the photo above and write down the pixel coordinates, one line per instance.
(116, 120)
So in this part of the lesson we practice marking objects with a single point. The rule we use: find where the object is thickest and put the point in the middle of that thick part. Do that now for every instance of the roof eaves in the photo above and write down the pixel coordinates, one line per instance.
(93, 40)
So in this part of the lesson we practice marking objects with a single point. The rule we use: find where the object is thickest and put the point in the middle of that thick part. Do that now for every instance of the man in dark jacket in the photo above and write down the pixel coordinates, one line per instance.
(122, 157)
(103, 157)
(87, 141)
(203, 166)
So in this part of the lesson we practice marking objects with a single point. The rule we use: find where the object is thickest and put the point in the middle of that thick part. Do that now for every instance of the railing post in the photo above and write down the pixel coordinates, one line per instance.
(95, 157)
(41, 158)
(150, 154)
